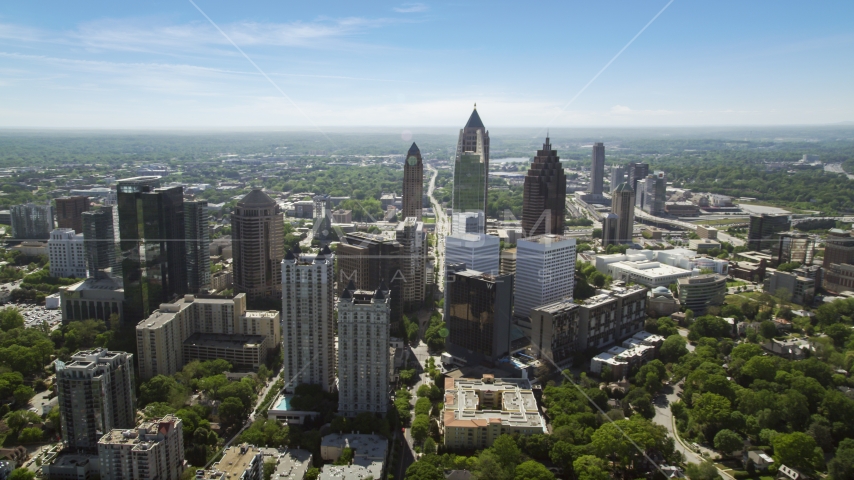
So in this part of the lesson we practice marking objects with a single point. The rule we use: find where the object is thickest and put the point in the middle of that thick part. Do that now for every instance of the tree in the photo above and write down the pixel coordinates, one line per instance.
(532, 470)
(10, 318)
(746, 351)
(508, 452)
(428, 467)
(420, 427)
(767, 329)
(728, 441)
(22, 474)
(212, 384)
(711, 409)
(797, 450)
(231, 411)
(842, 465)
(30, 435)
(19, 419)
(589, 467)
(158, 389)
(429, 446)
(702, 471)
(423, 406)
(673, 348)
(760, 368)
(561, 454)
(312, 473)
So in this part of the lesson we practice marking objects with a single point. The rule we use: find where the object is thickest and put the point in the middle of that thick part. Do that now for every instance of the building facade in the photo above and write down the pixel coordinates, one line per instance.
(468, 222)
(545, 271)
(763, 230)
(364, 363)
(597, 169)
(31, 221)
(478, 411)
(618, 176)
(795, 247)
(154, 450)
(471, 167)
(544, 196)
(198, 235)
(479, 310)
(610, 227)
(205, 328)
(366, 259)
(92, 299)
(554, 331)
(101, 245)
(151, 227)
(623, 205)
(413, 240)
(838, 278)
(635, 172)
(413, 183)
(839, 247)
(702, 291)
(307, 320)
(96, 394)
(478, 251)
(69, 212)
(609, 316)
(801, 289)
(257, 232)
(66, 254)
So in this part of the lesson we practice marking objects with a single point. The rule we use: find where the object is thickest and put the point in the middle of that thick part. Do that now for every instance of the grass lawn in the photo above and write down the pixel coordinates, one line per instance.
(736, 283)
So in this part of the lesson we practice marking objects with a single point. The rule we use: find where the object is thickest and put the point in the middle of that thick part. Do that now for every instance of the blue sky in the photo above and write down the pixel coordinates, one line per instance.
(160, 64)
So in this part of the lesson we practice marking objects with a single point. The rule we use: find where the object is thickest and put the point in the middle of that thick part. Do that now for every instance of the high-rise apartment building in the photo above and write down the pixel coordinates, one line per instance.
(31, 221)
(610, 316)
(471, 167)
(544, 197)
(151, 227)
(763, 230)
(839, 247)
(101, 245)
(366, 259)
(69, 211)
(545, 271)
(618, 176)
(623, 205)
(198, 235)
(413, 240)
(635, 172)
(96, 394)
(257, 232)
(479, 310)
(554, 331)
(307, 319)
(478, 251)
(66, 254)
(364, 365)
(413, 183)
(154, 450)
(597, 169)
(610, 225)
(206, 328)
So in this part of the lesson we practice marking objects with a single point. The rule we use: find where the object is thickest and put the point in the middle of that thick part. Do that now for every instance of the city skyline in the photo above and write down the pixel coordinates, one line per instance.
(149, 65)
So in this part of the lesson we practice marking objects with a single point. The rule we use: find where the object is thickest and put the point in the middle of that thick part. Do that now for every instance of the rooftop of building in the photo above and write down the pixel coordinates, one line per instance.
(518, 406)
(479, 275)
(236, 460)
(72, 459)
(701, 279)
(145, 435)
(650, 268)
(545, 239)
(256, 197)
(167, 311)
(291, 464)
(261, 313)
(95, 284)
(224, 340)
(558, 306)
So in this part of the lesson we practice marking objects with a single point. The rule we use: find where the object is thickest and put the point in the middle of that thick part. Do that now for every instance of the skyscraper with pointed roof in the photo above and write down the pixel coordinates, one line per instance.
(413, 183)
(471, 167)
(544, 198)
(258, 246)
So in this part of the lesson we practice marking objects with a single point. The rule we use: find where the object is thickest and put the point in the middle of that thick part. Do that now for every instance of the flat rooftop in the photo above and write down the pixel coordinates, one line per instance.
(95, 284)
(518, 407)
(224, 340)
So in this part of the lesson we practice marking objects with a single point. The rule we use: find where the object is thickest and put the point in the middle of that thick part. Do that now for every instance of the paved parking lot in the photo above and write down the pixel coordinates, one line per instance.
(35, 315)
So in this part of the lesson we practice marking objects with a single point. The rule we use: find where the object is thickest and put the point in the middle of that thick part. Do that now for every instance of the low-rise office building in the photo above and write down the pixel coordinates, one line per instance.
(92, 298)
(838, 278)
(801, 289)
(478, 411)
(700, 292)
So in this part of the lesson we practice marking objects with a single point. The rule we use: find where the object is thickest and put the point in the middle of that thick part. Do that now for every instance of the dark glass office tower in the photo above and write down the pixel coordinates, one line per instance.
(151, 227)
(198, 235)
(597, 169)
(544, 198)
(635, 172)
(99, 243)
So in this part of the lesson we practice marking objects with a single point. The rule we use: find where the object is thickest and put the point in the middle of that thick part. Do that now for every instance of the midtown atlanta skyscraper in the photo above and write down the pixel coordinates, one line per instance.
(471, 167)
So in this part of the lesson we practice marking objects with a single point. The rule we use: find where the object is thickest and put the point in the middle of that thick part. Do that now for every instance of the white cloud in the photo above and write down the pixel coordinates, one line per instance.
(411, 8)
